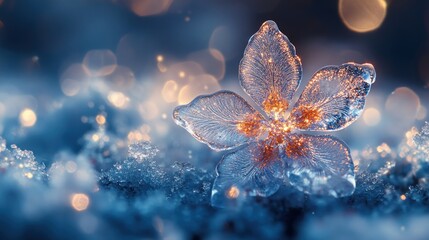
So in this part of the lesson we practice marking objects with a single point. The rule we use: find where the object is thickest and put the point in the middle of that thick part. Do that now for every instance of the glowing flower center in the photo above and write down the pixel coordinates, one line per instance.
(275, 103)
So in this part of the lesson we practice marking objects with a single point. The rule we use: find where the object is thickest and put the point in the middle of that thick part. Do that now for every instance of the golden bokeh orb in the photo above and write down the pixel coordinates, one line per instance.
(362, 15)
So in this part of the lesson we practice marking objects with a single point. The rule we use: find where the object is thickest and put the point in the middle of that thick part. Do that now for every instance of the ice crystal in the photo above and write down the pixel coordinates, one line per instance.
(142, 172)
(20, 163)
(271, 146)
(142, 150)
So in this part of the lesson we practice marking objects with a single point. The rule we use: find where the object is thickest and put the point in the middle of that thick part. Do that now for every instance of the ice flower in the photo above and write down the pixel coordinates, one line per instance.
(277, 145)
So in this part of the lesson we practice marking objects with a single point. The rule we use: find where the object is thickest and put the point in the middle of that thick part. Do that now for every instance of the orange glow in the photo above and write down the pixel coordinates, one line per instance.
(79, 201)
(403, 197)
(233, 192)
(269, 153)
(118, 99)
(100, 119)
(159, 58)
(149, 7)
(27, 117)
(251, 125)
(296, 147)
(308, 116)
(275, 103)
(170, 91)
(362, 15)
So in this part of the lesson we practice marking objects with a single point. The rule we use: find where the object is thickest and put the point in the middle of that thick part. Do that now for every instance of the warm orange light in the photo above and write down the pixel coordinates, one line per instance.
(251, 125)
(79, 201)
(118, 99)
(308, 115)
(403, 197)
(149, 7)
(371, 116)
(362, 15)
(100, 119)
(170, 91)
(27, 117)
(159, 58)
(274, 103)
(233, 192)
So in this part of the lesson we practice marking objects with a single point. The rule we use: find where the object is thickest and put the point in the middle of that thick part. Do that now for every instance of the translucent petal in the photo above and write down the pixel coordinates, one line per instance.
(222, 120)
(270, 71)
(254, 170)
(319, 165)
(334, 97)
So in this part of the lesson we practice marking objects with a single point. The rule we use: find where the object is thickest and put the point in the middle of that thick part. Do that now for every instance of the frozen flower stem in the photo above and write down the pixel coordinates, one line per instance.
(274, 144)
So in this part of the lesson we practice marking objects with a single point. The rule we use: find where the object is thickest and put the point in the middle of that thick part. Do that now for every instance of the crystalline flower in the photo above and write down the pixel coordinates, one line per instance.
(273, 144)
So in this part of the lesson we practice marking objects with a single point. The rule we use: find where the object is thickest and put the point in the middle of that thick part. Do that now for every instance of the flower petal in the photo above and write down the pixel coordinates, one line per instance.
(334, 97)
(222, 120)
(254, 170)
(319, 165)
(270, 71)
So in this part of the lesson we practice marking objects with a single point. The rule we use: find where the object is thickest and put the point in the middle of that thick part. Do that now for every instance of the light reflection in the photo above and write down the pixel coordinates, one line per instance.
(99, 63)
(403, 104)
(118, 99)
(149, 7)
(199, 85)
(170, 91)
(141, 134)
(79, 201)
(28, 175)
(371, 117)
(27, 117)
(73, 80)
(159, 58)
(233, 192)
(100, 119)
(362, 15)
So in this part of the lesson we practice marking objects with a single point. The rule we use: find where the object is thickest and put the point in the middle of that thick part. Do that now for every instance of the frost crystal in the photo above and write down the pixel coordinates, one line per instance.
(20, 163)
(141, 151)
(143, 171)
(271, 144)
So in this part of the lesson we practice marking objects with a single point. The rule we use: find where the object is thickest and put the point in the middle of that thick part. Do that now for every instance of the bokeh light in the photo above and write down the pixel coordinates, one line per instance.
(79, 201)
(100, 119)
(403, 104)
(27, 117)
(200, 85)
(362, 15)
(233, 192)
(118, 99)
(170, 91)
(98, 63)
(149, 7)
(73, 80)
(371, 116)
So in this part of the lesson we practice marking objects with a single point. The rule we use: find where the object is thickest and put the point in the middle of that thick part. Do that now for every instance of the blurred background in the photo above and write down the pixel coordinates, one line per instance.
(84, 79)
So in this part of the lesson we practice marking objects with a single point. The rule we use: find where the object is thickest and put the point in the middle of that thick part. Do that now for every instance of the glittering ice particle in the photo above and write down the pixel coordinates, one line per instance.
(20, 163)
(141, 151)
